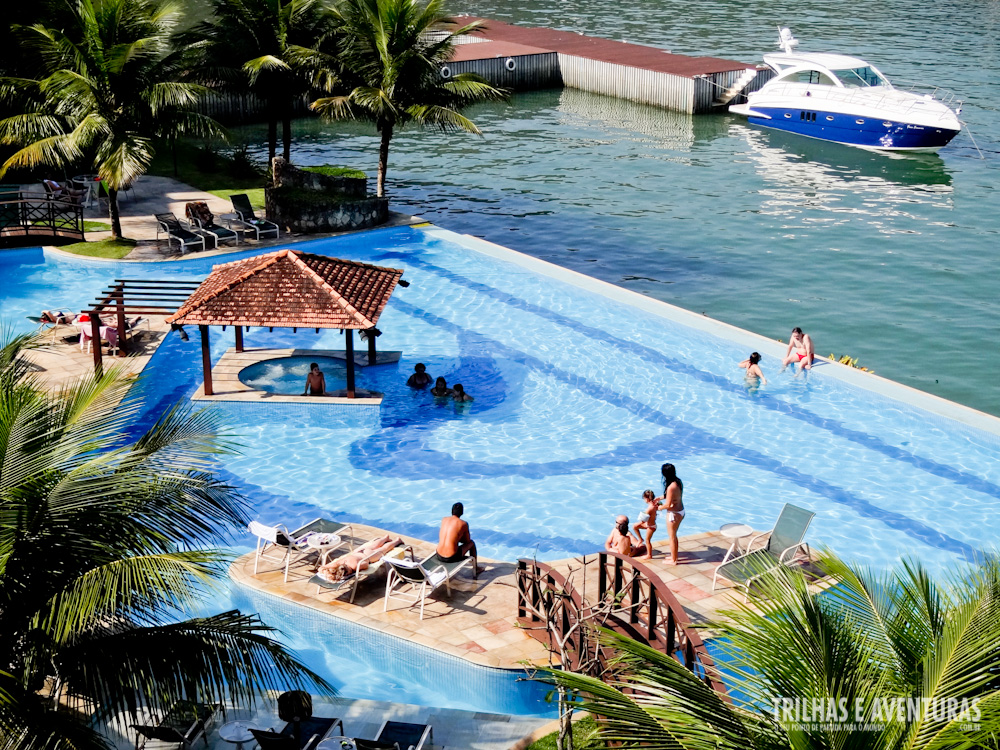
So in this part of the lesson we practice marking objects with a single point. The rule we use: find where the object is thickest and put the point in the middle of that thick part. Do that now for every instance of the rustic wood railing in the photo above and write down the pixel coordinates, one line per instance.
(630, 599)
(23, 216)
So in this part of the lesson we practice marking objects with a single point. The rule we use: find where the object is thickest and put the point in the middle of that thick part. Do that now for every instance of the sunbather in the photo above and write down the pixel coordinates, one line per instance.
(347, 565)
(58, 317)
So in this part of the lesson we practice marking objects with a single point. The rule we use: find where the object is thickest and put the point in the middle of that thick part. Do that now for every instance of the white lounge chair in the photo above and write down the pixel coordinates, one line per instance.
(415, 580)
(352, 581)
(277, 542)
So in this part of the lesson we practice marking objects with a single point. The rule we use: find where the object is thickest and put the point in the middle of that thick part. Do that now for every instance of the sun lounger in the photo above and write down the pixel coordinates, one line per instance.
(421, 578)
(352, 581)
(185, 238)
(288, 544)
(784, 540)
(184, 723)
(312, 731)
(200, 217)
(399, 735)
(248, 219)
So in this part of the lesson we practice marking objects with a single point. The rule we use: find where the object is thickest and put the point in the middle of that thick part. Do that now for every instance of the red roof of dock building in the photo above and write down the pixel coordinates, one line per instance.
(483, 50)
(592, 48)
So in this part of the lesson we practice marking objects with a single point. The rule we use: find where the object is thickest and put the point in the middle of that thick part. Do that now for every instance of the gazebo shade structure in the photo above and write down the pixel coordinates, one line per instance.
(290, 289)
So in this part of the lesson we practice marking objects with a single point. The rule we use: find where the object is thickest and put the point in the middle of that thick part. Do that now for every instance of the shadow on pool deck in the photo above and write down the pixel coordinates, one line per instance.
(478, 622)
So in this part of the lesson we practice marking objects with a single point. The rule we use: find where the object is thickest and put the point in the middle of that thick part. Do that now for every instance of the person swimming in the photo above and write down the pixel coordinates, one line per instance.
(459, 394)
(754, 374)
(315, 381)
(441, 389)
(419, 378)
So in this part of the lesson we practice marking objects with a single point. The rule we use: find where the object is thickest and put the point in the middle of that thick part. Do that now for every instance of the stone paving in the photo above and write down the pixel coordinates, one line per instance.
(478, 621)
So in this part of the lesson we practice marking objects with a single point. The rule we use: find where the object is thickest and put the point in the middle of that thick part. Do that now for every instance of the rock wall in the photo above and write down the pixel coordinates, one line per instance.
(308, 202)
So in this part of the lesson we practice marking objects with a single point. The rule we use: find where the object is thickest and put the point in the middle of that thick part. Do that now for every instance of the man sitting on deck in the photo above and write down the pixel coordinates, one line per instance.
(454, 541)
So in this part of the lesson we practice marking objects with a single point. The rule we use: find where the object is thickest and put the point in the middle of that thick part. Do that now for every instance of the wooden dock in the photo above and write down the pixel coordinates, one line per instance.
(523, 58)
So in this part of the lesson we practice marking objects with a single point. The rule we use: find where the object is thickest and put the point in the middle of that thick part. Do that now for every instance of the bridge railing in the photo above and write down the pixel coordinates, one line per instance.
(631, 599)
(26, 215)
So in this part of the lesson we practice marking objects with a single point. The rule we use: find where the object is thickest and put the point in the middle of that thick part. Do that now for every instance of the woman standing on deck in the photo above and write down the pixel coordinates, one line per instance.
(673, 503)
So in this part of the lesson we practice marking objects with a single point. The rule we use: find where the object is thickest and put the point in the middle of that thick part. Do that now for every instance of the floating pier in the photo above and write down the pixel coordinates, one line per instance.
(522, 58)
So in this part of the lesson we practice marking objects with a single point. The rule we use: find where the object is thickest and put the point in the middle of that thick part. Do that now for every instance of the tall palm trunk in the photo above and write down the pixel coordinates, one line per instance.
(383, 159)
(272, 132)
(286, 135)
(116, 219)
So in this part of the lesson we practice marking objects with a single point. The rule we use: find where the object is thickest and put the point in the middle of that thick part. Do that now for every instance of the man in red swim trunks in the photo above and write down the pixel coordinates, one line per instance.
(455, 542)
(800, 349)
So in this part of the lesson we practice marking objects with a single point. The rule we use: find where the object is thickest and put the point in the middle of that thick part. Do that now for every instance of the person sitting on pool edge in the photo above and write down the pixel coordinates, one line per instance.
(347, 565)
(459, 394)
(315, 381)
(441, 389)
(419, 378)
(620, 540)
(454, 540)
(800, 349)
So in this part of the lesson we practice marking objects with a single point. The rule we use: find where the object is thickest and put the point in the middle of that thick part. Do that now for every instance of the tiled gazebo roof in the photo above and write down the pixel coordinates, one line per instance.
(289, 289)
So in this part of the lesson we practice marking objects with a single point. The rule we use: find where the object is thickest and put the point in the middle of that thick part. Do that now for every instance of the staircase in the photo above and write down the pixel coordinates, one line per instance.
(737, 88)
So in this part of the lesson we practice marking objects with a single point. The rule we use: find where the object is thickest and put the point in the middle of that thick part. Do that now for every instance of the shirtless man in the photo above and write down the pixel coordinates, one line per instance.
(454, 540)
(620, 540)
(800, 349)
(315, 381)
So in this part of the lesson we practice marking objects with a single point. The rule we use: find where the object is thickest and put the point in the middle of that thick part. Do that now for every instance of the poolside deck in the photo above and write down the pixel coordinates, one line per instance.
(478, 622)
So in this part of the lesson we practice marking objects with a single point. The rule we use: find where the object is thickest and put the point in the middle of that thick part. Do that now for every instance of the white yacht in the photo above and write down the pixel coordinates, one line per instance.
(847, 100)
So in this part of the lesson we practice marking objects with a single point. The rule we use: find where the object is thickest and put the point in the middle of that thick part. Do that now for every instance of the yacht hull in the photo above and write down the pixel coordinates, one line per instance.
(863, 132)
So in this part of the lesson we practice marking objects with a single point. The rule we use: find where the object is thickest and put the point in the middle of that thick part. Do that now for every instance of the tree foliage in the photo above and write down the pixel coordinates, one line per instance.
(848, 659)
(103, 549)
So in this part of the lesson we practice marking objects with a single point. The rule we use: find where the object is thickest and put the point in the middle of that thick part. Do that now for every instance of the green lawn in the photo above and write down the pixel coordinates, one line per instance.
(256, 195)
(101, 249)
(212, 172)
(582, 737)
(96, 226)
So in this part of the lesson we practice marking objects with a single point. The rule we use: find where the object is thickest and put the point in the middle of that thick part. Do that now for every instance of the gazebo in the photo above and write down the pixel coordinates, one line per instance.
(290, 289)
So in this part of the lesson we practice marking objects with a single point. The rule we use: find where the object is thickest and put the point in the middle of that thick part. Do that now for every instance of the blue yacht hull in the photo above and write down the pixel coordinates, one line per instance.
(865, 132)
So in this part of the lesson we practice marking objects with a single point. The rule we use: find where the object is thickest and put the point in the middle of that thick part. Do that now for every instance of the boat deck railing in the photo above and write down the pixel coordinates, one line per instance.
(886, 102)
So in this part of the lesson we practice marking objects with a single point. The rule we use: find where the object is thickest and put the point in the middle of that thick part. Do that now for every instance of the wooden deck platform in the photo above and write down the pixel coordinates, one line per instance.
(478, 621)
(521, 57)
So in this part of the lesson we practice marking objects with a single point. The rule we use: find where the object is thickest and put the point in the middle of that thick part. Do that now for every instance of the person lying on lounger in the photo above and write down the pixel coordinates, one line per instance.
(347, 565)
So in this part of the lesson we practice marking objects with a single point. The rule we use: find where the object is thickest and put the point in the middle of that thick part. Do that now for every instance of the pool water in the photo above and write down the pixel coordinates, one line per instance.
(579, 397)
(287, 375)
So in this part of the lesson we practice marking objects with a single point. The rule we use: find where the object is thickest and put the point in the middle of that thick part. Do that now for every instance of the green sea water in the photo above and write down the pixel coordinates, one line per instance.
(893, 260)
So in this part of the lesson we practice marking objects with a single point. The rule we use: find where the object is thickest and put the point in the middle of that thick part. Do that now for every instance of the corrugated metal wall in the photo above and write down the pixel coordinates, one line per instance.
(529, 71)
(634, 84)
(239, 108)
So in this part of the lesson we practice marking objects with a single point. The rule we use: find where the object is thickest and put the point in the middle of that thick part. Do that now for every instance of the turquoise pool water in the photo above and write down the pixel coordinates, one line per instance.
(287, 375)
(579, 399)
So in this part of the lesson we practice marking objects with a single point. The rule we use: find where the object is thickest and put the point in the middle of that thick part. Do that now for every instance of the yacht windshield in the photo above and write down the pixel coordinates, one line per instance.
(860, 77)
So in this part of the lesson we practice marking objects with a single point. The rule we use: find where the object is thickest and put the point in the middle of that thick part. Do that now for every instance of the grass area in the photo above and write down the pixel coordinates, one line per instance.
(96, 226)
(215, 173)
(101, 249)
(583, 732)
(256, 195)
(327, 171)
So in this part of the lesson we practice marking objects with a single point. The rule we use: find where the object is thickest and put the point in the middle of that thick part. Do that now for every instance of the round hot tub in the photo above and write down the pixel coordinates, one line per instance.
(287, 375)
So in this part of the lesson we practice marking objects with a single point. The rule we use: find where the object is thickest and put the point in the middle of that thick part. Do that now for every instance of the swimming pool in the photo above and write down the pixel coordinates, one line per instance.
(579, 398)
(287, 375)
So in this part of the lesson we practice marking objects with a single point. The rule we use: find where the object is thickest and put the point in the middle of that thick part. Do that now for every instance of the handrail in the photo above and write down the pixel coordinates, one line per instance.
(25, 216)
(631, 600)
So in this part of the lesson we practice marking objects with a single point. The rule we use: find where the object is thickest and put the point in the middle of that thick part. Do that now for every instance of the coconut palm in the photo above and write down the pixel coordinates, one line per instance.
(391, 54)
(862, 649)
(271, 48)
(107, 86)
(103, 540)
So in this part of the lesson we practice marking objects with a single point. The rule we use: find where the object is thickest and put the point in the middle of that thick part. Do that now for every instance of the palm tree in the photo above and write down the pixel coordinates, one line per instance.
(828, 670)
(391, 54)
(268, 47)
(102, 550)
(107, 86)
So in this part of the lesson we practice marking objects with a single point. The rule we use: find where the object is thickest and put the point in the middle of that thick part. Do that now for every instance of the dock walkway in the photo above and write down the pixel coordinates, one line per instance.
(521, 58)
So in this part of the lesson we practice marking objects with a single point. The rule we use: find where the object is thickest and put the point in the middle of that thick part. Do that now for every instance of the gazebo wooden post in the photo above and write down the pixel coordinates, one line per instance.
(206, 359)
(239, 338)
(120, 304)
(95, 341)
(372, 356)
(349, 349)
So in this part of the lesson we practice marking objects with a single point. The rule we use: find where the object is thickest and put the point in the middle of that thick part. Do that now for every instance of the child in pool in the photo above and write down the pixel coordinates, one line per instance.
(647, 521)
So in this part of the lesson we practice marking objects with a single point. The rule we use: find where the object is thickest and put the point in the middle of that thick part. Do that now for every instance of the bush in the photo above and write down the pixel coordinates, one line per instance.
(242, 165)
(327, 171)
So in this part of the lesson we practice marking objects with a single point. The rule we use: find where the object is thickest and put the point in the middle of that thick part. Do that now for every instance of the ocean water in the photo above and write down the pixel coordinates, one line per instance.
(892, 260)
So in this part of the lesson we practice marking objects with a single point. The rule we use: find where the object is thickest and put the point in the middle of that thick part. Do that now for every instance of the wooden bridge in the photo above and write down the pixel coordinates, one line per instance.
(627, 597)
(24, 216)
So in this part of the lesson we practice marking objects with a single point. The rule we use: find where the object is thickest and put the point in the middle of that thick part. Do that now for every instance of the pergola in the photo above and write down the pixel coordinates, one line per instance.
(290, 289)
